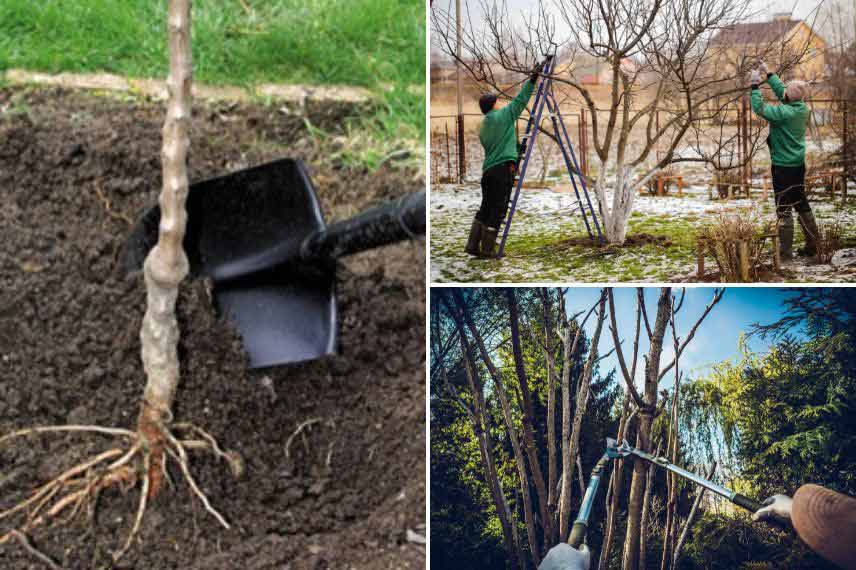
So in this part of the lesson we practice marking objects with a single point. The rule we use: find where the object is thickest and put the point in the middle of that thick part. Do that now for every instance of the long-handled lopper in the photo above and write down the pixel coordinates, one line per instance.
(614, 451)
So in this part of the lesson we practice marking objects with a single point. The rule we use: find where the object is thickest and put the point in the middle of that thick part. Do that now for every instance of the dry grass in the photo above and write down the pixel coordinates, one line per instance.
(829, 240)
(723, 238)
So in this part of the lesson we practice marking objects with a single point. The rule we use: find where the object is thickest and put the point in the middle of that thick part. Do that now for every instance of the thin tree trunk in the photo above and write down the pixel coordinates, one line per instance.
(646, 417)
(615, 485)
(481, 428)
(646, 507)
(166, 265)
(529, 444)
(551, 412)
(691, 517)
(582, 403)
(509, 422)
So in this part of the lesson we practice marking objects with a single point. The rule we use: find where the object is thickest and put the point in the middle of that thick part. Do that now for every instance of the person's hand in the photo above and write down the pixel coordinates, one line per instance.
(777, 509)
(755, 78)
(762, 67)
(563, 556)
(533, 75)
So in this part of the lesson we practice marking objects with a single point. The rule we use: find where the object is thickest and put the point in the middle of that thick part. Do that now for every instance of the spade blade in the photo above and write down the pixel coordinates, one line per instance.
(283, 315)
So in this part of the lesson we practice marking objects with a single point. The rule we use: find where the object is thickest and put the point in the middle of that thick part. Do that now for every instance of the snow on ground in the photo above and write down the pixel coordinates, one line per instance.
(538, 250)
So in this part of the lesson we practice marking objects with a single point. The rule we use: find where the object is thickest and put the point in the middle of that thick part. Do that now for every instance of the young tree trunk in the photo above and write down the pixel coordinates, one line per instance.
(691, 517)
(166, 265)
(481, 427)
(551, 411)
(582, 401)
(512, 432)
(616, 481)
(646, 418)
(528, 415)
(646, 507)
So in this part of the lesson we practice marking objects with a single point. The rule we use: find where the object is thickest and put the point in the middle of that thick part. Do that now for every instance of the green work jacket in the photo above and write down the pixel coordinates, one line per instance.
(788, 123)
(497, 134)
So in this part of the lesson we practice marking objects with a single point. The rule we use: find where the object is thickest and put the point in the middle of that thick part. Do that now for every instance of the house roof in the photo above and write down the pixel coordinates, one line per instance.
(756, 32)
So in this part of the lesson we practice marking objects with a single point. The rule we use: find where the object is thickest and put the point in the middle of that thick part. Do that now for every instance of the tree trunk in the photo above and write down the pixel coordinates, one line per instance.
(646, 418)
(166, 265)
(565, 493)
(646, 506)
(691, 517)
(481, 428)
(512, 432)
(616, 481)
(528, 415)
(551, 413)
(616, 215)
(582, 400)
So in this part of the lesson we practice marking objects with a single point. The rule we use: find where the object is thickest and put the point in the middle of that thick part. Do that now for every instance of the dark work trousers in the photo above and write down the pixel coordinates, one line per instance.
(496, 186)
(789, 191)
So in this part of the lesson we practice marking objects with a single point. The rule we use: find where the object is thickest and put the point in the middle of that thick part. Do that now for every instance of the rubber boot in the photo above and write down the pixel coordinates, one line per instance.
(810, 231)
(786, 239)
(488, 242)
(474, 241)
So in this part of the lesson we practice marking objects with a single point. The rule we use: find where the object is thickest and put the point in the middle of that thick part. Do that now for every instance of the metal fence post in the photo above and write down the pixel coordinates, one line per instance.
(462, 157)
(845, 152)
(448, 154)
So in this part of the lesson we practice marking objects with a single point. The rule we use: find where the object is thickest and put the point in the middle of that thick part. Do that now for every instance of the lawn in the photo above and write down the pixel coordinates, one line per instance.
(377, 44)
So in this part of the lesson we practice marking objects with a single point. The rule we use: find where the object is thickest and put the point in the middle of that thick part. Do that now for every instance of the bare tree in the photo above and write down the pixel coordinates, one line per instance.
(499, 385)
(476, 410)
(646, 403)
(656, 49)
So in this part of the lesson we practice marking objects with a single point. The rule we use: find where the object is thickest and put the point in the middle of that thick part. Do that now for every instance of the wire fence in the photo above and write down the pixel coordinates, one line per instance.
(729, 155)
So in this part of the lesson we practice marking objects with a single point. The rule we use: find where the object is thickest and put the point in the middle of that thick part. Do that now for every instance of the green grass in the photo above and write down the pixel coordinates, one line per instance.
(377, 44)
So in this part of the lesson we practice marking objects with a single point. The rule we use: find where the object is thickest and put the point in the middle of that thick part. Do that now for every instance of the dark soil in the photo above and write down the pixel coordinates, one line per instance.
(73, 168)
(632, 240)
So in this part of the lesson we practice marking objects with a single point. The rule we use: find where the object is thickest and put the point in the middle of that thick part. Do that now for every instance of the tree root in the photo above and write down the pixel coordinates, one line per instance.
(143, 463)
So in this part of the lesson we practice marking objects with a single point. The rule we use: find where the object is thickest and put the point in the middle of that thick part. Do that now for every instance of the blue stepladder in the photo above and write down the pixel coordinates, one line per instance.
(544, 97)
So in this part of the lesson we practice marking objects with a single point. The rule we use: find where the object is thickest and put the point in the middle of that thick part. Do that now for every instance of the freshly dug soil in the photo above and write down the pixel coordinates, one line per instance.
(74, 168)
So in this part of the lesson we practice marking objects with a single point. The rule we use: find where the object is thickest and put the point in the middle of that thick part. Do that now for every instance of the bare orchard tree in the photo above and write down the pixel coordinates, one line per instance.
(665, 77)
(141, 460)
(646, 402)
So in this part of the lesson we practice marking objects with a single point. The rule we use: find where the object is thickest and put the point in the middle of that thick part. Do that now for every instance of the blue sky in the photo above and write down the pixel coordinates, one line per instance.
(716, 339)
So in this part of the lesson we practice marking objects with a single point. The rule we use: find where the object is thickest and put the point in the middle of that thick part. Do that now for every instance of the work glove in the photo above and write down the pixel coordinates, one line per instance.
(533, 76)
(777, 509)
(755, 78)
(762, 67)
(563, 556)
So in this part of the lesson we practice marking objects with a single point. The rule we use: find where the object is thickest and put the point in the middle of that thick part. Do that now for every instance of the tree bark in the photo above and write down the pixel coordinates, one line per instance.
(509, 421)
(481, 427)
(529, 444)
(691, 517)
(551, 411)
(646, 417)
(616, 481)
(646, 506)
(166, 265)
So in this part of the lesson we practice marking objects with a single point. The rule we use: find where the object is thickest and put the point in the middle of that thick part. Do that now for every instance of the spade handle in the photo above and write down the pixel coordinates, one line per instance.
(383, 225)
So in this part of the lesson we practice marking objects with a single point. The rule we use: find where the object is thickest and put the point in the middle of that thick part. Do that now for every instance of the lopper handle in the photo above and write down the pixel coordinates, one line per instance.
(578, 534)
(383, 225)
(747, 503)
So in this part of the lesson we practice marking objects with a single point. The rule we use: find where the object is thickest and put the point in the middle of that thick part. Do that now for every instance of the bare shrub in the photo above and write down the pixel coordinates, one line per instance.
(725, 179)
(735, 240)
(828, 240)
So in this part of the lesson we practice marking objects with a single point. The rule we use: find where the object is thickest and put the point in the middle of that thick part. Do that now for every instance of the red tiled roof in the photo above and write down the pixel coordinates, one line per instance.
(755, 32)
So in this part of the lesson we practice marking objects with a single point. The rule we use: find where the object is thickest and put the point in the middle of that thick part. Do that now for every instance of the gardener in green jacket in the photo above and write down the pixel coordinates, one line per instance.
(788, 123)
(499, 139)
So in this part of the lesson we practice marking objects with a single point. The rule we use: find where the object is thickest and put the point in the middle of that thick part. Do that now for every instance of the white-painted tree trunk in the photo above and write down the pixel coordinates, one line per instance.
(166, 265)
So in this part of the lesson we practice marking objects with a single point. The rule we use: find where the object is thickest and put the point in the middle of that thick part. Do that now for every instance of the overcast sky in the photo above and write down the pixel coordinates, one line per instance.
(809, 10)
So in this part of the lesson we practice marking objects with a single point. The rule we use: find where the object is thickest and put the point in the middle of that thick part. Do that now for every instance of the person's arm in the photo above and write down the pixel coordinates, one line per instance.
(826, 521)
(513, 109)
(776, 85)
(773, 113)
